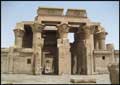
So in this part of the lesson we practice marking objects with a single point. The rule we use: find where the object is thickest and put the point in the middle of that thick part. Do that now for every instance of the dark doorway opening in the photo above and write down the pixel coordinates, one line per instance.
(28, 37)
(50, 52)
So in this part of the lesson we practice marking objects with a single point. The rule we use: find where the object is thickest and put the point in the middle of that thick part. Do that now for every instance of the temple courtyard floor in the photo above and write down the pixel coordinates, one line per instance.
(54, 79)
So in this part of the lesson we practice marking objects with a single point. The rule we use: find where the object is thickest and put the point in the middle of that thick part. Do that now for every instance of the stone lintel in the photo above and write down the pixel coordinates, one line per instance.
(50, 11)
(28, 22)
(76, 12)
(95, 23)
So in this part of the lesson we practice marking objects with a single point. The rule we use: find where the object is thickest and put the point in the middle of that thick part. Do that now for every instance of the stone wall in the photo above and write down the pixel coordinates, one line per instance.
(4, 65)
(30, 42)
(21, 61)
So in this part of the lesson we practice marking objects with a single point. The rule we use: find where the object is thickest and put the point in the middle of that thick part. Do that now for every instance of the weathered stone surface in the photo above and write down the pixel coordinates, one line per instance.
(64, 57)
(18, 37)
(114, 73)
(42, 47)
(63, 30)
(100, 39)
(83, 81)
(36, 27)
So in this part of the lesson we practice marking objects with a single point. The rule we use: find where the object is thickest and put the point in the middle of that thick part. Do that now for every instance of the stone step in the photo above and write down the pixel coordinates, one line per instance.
(84, 79)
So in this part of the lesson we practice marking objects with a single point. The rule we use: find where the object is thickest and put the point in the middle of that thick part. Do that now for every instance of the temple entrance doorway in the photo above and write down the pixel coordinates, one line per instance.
(50, 53)
(48, 67)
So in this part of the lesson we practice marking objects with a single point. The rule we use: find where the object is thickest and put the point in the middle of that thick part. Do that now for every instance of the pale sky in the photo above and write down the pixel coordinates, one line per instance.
(105, 12)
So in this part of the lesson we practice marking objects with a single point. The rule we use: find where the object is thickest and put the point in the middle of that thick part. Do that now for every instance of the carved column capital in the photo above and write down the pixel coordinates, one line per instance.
(99, 29)
(101, 35)
(36, 27)
(83, 32)
(92, 29)
(63, 29)
(19, 32)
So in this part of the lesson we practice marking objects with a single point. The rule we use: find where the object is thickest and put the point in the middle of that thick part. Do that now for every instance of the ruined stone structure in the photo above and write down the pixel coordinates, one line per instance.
(114, 73)
(42, 47)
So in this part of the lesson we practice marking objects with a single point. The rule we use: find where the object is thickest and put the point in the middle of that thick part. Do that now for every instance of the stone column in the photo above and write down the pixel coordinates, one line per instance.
(84, 51)
(63, 50)
(37, 47)
(101, 39)
(10, 59)
(96, 44)
(75, 64)
(19, 33)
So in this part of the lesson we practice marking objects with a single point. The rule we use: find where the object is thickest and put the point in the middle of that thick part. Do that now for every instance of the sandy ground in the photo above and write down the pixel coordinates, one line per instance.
(50, 79)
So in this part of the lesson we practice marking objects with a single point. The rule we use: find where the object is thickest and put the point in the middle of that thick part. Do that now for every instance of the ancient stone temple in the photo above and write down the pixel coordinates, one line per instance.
(42, 46)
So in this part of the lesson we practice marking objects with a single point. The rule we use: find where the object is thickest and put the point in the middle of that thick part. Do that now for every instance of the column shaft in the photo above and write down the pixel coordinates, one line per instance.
(37, 47)
(101, 37)
(96, 44)
(102, 44)
(64, 50)
(64, 57)
(84, 44)
(38, 41)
